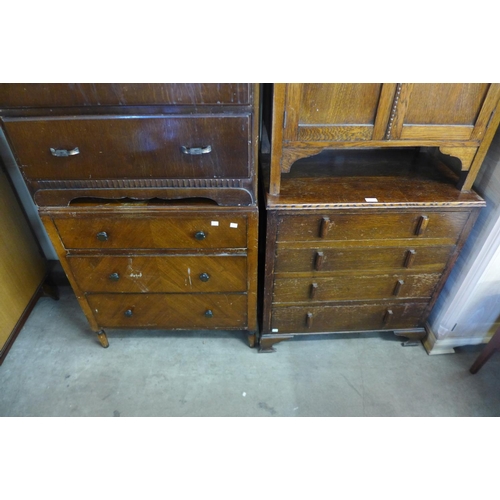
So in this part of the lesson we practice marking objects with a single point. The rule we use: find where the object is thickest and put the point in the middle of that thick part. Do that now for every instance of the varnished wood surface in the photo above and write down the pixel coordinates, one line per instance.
(153, 274)
(369, 226)
(355, 287)
(123, 94)
(395, 178)
(171, 311)
(167, 231)
(428, 259)
(132, 147)
(311, 319)
(22, 267)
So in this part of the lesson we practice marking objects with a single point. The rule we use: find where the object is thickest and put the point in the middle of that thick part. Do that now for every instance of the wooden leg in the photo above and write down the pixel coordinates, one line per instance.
(492, 346)
(252, 337)
(267, 342)
(414, 337)
(103, 338)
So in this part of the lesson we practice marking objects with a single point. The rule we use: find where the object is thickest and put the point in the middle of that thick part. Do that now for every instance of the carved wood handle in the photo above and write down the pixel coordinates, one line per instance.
(422, 225)
(318, 262)
(387, 317)
(313, 290)
(410, 258)
(325, 227)
(309, 320)
(398, 286)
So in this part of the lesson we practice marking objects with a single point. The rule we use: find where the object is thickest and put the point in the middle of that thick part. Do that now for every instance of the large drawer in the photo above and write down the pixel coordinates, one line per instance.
(120, 147)
(171, 311)
(338, 227)
(172, 274)
(121, 94)
(134, 232)
(346, 318)
(355, 287)
(427, 258)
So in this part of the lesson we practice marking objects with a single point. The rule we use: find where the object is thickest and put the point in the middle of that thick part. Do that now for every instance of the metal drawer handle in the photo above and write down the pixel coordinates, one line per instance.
(200, 235)
(204, 277)
(64, 152)
(128, 313)
(102, 236)
(114, 276)
(209, 313)
(196, 151)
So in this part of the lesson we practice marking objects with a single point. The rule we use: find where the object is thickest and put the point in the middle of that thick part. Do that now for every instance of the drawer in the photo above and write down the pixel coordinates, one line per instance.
(121, 94)
(346, 318)
(172, 274)
(171, 311)
(355, 287)
(121, 147)
(336, 227)
(427, 258)
(136, 232)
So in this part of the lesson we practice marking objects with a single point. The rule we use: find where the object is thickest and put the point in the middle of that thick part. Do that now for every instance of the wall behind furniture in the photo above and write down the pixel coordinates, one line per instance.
(468, 309)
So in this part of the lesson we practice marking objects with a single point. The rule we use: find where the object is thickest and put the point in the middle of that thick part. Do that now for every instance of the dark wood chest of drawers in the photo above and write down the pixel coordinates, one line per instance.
(368, 202)
(148, 193)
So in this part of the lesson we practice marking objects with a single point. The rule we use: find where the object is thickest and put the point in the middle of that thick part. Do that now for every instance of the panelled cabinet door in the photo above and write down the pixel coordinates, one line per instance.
(337, 112)
(443, 111)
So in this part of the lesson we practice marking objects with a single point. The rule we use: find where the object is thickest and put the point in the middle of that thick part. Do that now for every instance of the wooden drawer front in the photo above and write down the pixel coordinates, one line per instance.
(173, 274)
(355, 288)
(158, 232)
(121, 94)
(346, 318)
(431, 259)
(132, 148)
(204, 311)
(334, 227)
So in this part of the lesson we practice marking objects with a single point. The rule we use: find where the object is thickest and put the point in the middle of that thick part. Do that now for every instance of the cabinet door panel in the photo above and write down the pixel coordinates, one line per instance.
(443, 111)
(337, 111)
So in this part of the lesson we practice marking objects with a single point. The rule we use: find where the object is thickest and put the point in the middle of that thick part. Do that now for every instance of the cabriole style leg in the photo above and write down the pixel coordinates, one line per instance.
(267, 342)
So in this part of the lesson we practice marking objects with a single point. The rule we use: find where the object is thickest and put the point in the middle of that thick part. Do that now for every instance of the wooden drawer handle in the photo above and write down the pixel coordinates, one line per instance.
(398, 286)
(410, 258)
(312, 291)
(422, 225)
(387, 317)
(309, 320)
(318, 261)
(324, 227)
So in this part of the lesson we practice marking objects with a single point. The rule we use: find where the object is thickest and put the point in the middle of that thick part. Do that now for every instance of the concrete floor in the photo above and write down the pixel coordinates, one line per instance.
(57, 368)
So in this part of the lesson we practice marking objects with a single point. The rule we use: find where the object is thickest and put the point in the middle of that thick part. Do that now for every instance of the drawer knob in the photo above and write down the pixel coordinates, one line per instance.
(64, 152)
(309, 320)
(196, 151)
(204, 277)
(128, 313)
(209, 313)
(387, 317)
(102, 236)
(312, 290)
(200, 235)
(114, 276)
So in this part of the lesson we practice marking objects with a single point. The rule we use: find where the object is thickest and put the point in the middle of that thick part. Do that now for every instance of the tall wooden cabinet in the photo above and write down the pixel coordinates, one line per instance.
(148, 193)
(368, 202)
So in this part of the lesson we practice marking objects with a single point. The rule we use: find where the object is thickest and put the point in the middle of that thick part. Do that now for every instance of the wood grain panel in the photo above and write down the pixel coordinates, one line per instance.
(429, 259)
(339, 103)
(159, 232)
(122, 94)
(22, 267)
(311, 319)
(355, 287)
(370, 226)
(445, 103)
(172, 311)
(131, 147)
(172, 274)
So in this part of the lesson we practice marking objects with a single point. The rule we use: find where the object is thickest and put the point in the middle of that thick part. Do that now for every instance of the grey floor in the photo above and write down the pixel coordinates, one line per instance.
(57, 368)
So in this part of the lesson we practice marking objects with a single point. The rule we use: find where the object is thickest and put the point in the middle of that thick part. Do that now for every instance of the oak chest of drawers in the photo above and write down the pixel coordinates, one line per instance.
(368, 202)
(148, 193)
